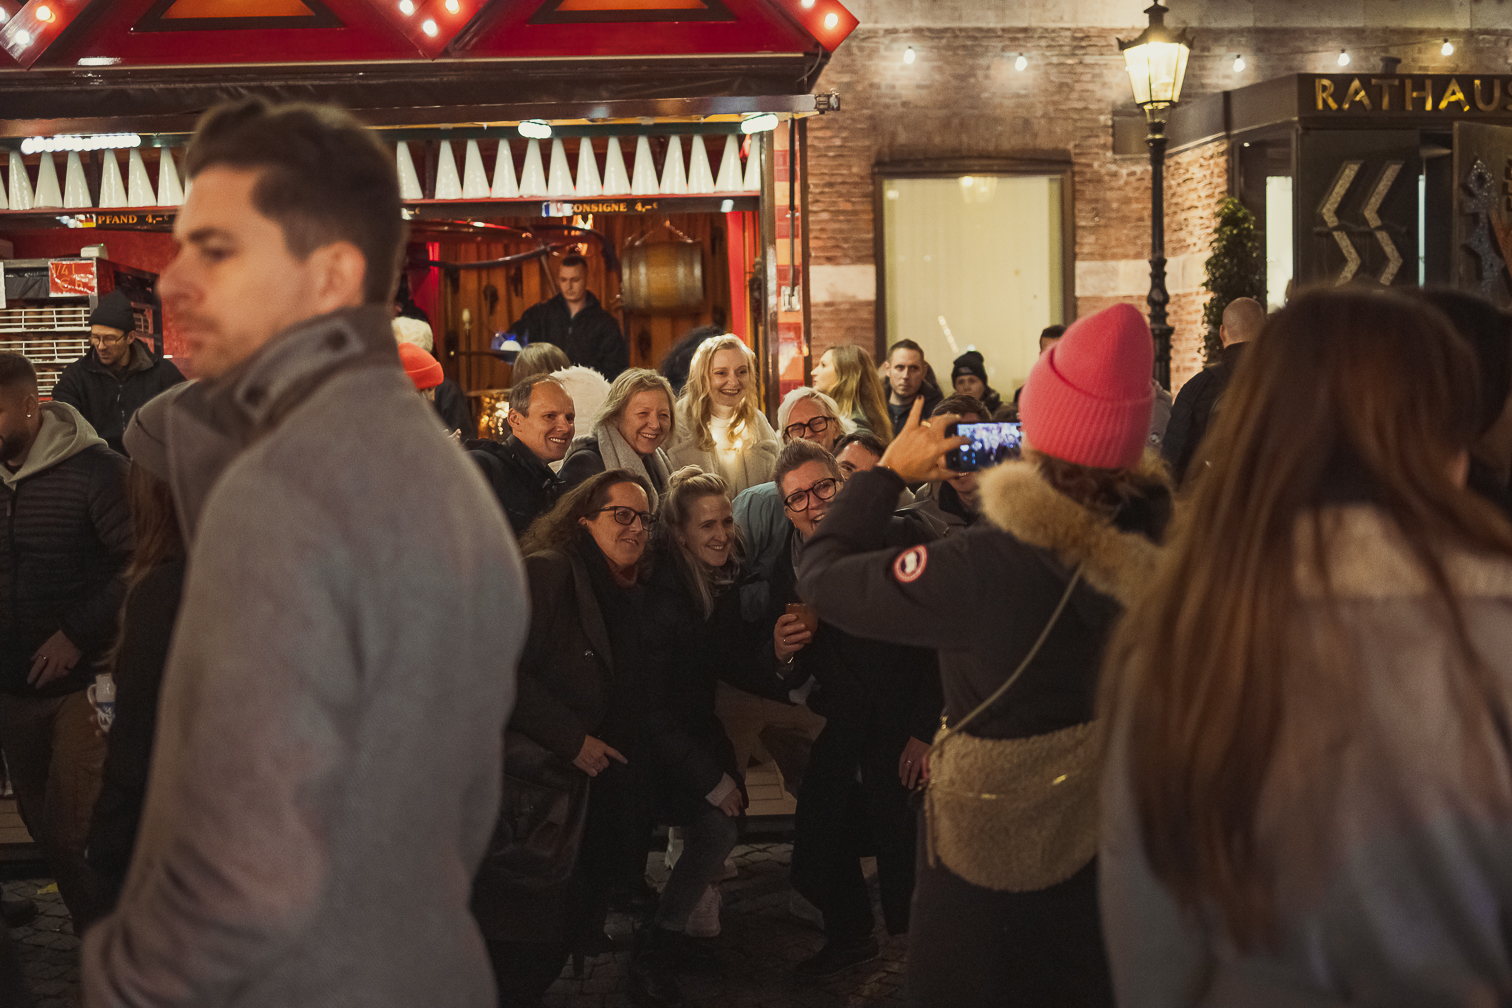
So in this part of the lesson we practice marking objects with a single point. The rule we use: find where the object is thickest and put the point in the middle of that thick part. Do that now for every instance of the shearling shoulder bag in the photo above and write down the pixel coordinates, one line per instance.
(1014, 815)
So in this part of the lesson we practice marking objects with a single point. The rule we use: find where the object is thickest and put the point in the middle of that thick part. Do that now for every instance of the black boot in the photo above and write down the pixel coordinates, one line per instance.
(653, 979)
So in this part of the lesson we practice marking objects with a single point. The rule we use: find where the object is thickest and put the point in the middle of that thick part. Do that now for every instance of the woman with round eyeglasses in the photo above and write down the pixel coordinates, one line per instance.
(590, 701)
(805, 413)
(720, 426)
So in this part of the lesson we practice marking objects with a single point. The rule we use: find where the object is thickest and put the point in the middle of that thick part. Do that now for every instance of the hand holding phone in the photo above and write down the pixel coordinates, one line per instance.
(990, 444)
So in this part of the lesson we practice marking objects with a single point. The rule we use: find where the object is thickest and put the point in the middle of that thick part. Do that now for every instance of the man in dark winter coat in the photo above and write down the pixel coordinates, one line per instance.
(575, 321)
(542, 417)
(67, 540)
(907, 380)
(882, 705)
(1198, 399)
(118, 374)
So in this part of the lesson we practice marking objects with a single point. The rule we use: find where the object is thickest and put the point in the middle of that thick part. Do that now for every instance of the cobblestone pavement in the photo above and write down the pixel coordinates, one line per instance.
(754, 956)
(49, 950)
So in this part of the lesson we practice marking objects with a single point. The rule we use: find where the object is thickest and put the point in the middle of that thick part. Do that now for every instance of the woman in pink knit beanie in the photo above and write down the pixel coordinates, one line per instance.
(1019, 607)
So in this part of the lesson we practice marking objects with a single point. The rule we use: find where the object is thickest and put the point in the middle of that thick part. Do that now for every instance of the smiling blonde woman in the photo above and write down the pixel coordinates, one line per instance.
(720, 426)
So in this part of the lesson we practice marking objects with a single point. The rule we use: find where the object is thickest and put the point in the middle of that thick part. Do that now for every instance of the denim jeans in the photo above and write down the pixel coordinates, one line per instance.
(707, 841)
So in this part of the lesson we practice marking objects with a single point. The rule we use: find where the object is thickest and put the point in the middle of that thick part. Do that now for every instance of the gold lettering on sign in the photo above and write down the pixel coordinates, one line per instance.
(1385, 84)
(1426, 93)
(1495, 95)
(1356, 93)
(1453, 93)
(1323, 88)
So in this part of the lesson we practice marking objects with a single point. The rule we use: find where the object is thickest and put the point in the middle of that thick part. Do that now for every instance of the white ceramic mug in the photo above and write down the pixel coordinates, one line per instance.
(101, 694)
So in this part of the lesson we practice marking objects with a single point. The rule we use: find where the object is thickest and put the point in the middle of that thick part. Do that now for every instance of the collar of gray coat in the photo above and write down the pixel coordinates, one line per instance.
(1368, 558)
(211, 423)
(1016, 499)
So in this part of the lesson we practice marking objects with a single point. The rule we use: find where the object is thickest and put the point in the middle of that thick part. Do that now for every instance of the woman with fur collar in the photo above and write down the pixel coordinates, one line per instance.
(1308, 797)
(720, 426)
(1005, 905)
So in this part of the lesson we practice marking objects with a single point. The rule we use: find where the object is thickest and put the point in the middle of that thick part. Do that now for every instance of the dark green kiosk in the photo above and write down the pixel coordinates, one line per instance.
(1400, 178)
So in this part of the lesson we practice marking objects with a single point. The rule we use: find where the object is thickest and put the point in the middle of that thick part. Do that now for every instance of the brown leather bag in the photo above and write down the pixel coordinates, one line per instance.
(541, 818)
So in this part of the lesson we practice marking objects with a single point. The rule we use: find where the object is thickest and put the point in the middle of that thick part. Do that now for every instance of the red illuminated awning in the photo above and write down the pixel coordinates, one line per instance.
(60, 33)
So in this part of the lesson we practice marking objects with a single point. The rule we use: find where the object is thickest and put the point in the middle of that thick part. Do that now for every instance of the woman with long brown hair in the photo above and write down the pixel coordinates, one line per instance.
(848, 375)
(591, 701)
(1308, 798)
(154, 589)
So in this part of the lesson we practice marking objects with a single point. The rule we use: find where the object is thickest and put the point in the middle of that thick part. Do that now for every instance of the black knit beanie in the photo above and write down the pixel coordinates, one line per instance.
(970, 363)
(114, 310)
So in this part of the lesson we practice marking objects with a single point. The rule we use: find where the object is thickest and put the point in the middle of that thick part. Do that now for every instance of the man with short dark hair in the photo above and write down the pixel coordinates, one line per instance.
(542, 420)
(67, 538)
(907, 371)
(1048, 337)
(332, 711)
(858, 451)
(881, 705)
(1198, 399)
(117, 374)
(575, 321)
(950, 505)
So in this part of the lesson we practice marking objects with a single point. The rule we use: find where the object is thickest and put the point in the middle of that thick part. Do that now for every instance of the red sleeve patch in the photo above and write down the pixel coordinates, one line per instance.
(910, 564)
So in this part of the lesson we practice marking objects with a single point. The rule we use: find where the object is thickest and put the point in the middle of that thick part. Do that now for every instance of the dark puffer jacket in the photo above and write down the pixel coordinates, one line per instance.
(108, 399)
(525, 486)
(67, 538)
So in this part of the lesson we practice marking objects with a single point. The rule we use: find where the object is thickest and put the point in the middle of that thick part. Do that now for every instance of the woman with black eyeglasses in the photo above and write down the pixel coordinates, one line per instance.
(590, 702)
(805, 414)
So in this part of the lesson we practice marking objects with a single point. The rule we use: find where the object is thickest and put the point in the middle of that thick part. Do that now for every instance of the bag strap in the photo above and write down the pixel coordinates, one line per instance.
(1033, 652)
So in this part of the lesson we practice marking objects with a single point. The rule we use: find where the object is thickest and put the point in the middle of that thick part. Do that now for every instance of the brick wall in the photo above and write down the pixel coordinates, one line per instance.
(1196, 183)
(963, 98)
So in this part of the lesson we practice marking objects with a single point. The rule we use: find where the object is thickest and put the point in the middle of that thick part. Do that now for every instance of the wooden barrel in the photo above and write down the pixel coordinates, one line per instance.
(663, 277)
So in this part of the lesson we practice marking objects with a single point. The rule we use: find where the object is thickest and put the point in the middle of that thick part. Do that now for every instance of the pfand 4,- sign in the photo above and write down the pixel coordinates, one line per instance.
(1373, 95)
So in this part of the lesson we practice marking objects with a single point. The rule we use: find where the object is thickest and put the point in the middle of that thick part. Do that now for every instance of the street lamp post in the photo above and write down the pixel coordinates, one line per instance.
(1156, 62)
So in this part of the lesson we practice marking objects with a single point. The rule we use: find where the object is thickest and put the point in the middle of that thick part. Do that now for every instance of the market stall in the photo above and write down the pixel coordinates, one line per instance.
(666, 136)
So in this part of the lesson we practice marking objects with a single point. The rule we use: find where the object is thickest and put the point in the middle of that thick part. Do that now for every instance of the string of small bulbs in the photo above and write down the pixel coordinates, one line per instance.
(1447, 49)
(1021, 62)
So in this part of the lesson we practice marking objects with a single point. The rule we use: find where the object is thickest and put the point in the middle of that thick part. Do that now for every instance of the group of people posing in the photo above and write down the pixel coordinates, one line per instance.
(1237, 740)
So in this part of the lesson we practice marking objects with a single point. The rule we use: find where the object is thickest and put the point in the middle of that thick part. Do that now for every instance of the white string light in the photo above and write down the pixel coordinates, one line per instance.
(1022, 63)
(908, 55)
(99, 141)
(1448, 49)
(831, 19)
(429, 27)
(1239, 63)
(406, 7)
(1343, 57)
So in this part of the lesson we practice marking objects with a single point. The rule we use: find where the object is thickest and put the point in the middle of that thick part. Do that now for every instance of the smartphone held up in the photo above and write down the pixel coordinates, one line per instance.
(991, 443)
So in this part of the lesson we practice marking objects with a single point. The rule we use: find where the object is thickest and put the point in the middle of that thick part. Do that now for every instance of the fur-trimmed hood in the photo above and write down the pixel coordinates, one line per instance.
(1016, 499)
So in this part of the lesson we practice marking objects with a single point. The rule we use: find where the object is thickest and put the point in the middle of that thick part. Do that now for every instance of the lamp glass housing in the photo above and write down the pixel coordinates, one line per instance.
(1156, 62)
(1156, 72)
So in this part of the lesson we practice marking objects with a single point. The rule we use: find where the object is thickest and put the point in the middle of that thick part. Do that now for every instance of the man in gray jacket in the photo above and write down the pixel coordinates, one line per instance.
(327, 765)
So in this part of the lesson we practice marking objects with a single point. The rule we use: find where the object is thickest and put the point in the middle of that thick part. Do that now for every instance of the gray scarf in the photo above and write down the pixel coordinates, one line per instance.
(617, 454)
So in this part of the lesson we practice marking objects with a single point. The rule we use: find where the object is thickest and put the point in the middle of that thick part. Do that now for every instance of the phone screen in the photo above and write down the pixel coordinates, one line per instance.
(991, 443)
